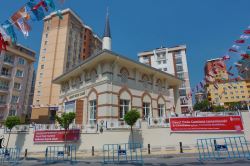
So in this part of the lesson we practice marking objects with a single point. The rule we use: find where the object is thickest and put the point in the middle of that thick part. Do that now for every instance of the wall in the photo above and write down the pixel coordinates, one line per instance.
(157, 137)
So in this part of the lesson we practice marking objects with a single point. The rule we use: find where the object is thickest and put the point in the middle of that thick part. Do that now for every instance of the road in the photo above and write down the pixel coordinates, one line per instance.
(154, 161)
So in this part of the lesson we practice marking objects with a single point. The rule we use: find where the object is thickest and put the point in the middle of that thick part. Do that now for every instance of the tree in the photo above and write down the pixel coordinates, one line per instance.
(130, 118)
(203, 106)
(65, 120)
(11, 122)
(218, 108)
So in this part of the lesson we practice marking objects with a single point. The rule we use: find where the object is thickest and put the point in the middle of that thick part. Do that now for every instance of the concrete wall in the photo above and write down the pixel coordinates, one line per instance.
(157, 137)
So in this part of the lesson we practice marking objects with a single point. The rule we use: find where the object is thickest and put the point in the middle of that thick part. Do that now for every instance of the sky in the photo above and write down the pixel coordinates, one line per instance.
(207, 27)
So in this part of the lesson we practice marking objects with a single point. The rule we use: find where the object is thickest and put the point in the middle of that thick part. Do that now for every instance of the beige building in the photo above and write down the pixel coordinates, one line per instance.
(64, 44)
(172, 60)
(107, 85)
(16, 65)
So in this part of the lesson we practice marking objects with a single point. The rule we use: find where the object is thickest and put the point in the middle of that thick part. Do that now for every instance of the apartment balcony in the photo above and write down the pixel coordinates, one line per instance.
(5, 75)
(112, 125)
(4, 89)
(8, 62)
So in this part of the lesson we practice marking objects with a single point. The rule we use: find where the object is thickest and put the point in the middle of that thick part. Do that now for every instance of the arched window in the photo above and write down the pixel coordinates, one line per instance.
(124, 75)
(124, 103)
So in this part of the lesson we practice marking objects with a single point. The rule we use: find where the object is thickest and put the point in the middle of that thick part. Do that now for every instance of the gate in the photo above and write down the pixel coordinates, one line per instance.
(223, 148)
(9, 155)
(60, 153)
(122, 153)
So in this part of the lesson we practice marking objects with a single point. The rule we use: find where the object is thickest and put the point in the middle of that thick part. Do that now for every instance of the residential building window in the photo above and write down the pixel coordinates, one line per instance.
(145, 81)
(43, 59)
(237, 97)
(92, 111)
(179, 68)
(46, 35)
(164, 61)
(38, 93)
(21, 61)
(146, 110)
(44, 50)
(4, 84)
(19, 73)
(243, 96)
(242, 91)
(231, 93)
(45, 43)
(6, 72)
(226, 97)
(241, 87)
(2, 99)
(178, 60)
(39, 83)
(159, 62)
(180, 75)
(161, 110)
(8, 59)
(41, 75)
(124, 108)
(69, 106)
(17, 86)
(183, 92)
(14, 99)
(12, 112)
(42, 66)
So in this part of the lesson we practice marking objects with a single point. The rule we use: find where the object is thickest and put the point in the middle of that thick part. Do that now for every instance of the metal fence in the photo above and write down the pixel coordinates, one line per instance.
(55, 154)
(9, 155)
(223, 148)
(122, 153)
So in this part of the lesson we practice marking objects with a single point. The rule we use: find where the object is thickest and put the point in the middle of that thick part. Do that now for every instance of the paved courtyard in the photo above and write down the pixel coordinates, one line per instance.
(154, 161)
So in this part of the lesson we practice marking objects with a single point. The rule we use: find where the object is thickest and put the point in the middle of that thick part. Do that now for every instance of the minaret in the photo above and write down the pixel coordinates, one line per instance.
(106, 41)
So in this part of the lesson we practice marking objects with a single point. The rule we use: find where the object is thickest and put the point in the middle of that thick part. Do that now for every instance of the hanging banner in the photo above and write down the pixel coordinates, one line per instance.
(206, 124)
(41, 136)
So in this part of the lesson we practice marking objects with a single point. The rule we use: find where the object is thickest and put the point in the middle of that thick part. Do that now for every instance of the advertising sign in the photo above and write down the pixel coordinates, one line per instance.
(41, 136)
(215, 123)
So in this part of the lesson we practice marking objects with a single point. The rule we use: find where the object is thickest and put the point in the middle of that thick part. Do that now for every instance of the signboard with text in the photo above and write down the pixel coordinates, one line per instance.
(206, 124)
(41, 136)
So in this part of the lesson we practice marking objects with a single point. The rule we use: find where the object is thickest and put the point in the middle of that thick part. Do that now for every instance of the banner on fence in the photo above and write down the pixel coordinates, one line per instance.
(41, 136)
(215, 123)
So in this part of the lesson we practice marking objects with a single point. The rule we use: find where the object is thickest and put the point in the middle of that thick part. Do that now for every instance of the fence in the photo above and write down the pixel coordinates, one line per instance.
(223, 148)
(9, 155)
(60, 153)
(122, 153)
(158, 122)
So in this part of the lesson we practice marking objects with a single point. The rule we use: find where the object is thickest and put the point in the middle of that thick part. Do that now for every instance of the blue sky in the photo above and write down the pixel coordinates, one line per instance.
(207, 27)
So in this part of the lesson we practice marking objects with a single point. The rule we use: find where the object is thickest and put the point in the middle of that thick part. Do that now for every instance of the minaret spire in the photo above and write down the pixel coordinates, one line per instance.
(106, 41)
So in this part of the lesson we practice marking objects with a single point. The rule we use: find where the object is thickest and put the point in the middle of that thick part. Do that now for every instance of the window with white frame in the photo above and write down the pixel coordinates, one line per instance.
(69, 107)
(12, 112)
(92, 111)
(17, 86)
(21, 61)
(19, 73)
(161, 110)
(14, 99)
(4, 84)
(146, 110)
(124, 108)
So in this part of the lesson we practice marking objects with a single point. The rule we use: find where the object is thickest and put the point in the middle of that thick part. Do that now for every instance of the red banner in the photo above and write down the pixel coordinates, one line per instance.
(215, 123)
(41, 136)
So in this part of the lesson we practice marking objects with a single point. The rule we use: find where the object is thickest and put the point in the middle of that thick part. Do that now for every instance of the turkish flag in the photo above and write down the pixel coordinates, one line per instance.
(240, 41)
(247, 31)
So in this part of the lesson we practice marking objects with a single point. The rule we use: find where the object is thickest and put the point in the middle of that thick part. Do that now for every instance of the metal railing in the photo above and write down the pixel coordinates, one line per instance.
(158, 122)
(54, 126)
(121, 125)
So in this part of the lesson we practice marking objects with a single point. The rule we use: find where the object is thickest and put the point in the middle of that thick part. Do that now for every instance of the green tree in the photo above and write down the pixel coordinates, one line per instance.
(65, 120)
(130, 118)
(203, 106)
(218, 108)
(11, 122)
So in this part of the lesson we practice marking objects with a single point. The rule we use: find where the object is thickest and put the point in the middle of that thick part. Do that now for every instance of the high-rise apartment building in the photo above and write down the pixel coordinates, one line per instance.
(16, 70)
(65, 43)
(173, 61)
